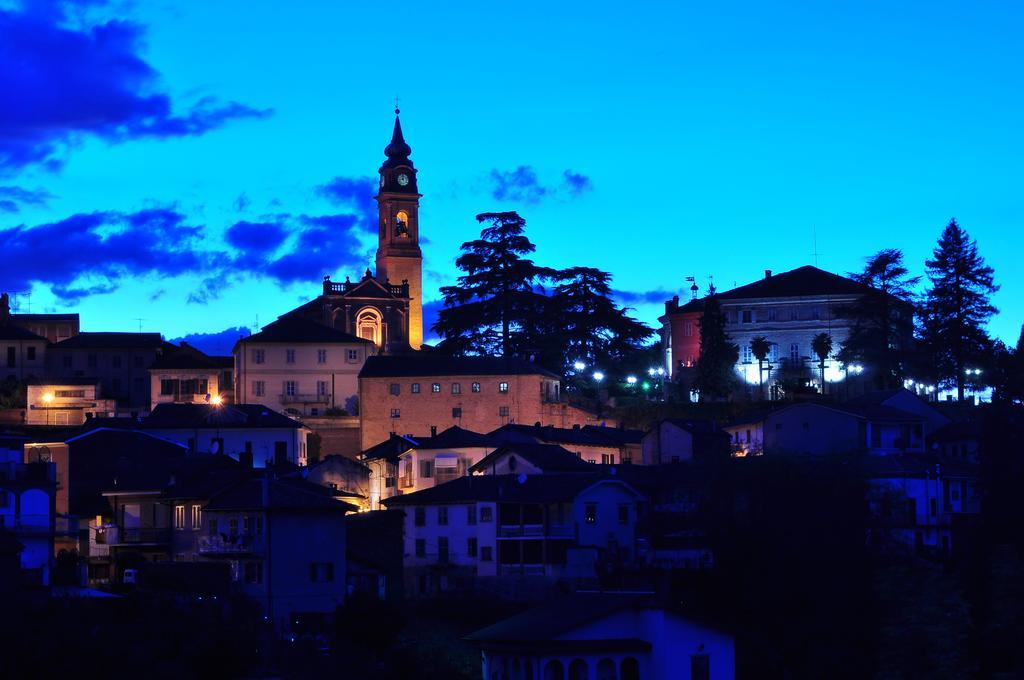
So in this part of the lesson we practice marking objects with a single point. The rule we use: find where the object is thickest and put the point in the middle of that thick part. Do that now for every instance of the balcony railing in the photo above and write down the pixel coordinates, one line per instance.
(305, 398)
(230, 545)
(400, 290)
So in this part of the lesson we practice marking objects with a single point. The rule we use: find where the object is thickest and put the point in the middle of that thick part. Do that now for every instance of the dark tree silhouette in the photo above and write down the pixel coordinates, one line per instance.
(716, 368)
(821, 345)
(883, 318)
(586, 322)
(957, 306)
(487, 312)
(760, 347)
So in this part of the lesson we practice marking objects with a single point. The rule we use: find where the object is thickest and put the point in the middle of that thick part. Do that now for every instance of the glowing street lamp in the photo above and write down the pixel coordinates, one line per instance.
(631, 380)
(598, 376)
(47, 398)
(579, 366)
(216, 400)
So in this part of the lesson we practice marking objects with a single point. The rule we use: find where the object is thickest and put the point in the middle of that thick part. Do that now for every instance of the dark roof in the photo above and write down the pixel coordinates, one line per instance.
(547, 457)
(297, 329)
(286, 493)
(428, 364)
(205, 475)
(957, 431)
(186, 356)
(548, 433)
(113, 340)
(25, 318)
(559, 617)
(618, 435)
(453, 438)
(695, 426)
(390, 448)
(9, 331)
(77, 380)
(510, 488)
(877, 412)
(174, 416)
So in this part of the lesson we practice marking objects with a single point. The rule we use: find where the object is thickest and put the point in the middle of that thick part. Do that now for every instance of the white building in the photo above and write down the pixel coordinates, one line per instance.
(608, 635)
(67, 401)
(497, 528)
(187, 376)
(300, 367)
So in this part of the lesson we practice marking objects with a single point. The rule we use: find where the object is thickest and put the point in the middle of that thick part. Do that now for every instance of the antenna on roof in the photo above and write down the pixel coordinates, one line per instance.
(140, 319)
(814, 237)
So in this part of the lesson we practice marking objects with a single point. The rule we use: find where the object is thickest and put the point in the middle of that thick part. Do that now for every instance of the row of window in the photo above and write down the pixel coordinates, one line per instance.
(811, 313)
(174, 386)
(12, 355)
(503, 412)
(435, 388)
(486, 515)
(485, 553)
(251, 526)
(289, 388)
(259, 356)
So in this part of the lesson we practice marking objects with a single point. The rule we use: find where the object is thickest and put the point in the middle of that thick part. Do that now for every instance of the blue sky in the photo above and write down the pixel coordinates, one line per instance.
(201, 165)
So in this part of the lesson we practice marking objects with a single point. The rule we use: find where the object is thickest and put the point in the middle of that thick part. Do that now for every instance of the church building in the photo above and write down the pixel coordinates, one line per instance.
(386, 308)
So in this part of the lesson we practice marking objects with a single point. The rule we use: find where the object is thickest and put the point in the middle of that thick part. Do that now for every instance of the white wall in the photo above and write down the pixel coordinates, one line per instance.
(666, 442)
(263, 441)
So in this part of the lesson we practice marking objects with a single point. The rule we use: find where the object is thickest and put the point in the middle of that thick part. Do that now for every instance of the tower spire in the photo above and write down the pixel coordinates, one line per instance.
(397, 150)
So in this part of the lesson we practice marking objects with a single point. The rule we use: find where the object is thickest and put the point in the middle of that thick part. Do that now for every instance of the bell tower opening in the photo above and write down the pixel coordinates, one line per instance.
(399, 258)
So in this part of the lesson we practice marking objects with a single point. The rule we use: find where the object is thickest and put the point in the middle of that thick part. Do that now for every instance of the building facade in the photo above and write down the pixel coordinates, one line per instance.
(185, 375)
(301, 367)
(22, 351)
(429, 393)
(789, 309)
(67, 402)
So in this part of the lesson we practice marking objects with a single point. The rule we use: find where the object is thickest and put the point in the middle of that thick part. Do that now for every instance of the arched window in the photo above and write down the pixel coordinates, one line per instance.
(402, 224)
(553, 670)
(578, 670)
(606, 670)
(630, 669)
(368, 325)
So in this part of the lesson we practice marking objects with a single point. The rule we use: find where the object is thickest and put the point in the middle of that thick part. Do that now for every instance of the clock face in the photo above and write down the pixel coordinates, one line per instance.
(403, 179)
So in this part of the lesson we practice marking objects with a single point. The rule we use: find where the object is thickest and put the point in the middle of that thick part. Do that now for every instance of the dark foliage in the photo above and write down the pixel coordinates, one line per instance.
(715, 376)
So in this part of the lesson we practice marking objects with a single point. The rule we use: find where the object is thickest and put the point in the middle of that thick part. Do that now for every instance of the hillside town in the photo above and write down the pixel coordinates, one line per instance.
(805, 475)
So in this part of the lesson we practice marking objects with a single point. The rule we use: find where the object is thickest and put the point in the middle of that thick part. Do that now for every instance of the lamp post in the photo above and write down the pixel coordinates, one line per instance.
(47, 399)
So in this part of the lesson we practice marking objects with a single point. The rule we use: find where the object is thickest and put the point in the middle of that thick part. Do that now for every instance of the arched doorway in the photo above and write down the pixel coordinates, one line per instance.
(369, 325)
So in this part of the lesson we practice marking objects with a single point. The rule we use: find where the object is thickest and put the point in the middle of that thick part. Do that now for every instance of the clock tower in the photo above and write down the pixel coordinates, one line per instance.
(399, 258)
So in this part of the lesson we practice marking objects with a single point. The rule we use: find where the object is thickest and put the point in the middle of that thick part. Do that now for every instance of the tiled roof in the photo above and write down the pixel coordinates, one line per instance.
(28, 318)
(175, 416)
(57, 382)
(550, 434)
(547, 457)
(453, 438)
(618, 435)
(507, 488)
(390, 448)
(113, 340)
(558, 618)
(428, 364)
(298, 329)
(186, 356)
(287, 493)
(9, 331)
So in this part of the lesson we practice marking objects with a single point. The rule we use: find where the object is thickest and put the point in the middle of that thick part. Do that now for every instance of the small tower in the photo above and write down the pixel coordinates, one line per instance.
(399, 257)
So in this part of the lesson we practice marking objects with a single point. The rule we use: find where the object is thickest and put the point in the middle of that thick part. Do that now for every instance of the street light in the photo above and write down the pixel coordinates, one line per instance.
(631, 380)
(216, 400)
(579, 365)
(47, 398)
(598, 376)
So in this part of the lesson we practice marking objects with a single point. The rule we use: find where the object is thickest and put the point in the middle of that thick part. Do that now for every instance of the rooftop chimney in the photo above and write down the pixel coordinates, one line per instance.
(433, 430)
(767, 273)
(5, 308)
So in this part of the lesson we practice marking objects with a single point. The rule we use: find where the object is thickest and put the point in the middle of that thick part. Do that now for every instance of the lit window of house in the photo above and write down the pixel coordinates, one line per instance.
(435, 388)
(475, 387)
(590, 513)
(179, 516)
(503, 387)
(197, 516)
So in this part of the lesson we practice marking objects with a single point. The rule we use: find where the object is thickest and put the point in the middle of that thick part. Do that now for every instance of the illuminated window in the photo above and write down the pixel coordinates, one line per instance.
(503, 387)
(179, 516)
(476, 387)
(435, 388)
(197, 516)
(402, 224)
(590, 513)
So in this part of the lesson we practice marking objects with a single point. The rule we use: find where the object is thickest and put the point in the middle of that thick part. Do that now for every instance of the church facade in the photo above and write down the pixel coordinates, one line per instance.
(386, 308)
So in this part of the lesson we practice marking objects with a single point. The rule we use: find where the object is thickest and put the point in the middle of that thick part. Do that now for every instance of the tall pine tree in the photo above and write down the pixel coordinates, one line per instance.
(957, 307)
(491, 308)
(883, 318)
(588, 325)
(715, 376)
